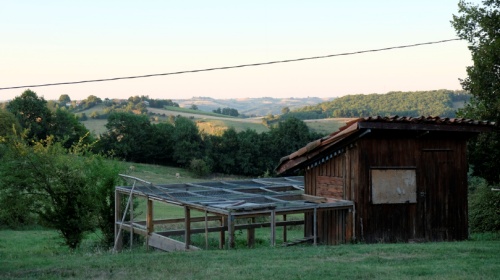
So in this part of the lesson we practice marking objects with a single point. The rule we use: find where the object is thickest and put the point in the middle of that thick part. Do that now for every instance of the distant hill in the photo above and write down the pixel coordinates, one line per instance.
(250, 106)
(442, 103)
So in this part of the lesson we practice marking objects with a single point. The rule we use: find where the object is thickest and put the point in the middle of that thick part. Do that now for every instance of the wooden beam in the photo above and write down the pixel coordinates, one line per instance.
(118, 235)
(149, 219)
(206, 230)
(131, 214)
(315, 226)
(230, 231)
(168, 244)
(251, 234)
(273, 228)
(284, 230)
(134, 227)
(222, 235)
(224, 228)
(187, 226)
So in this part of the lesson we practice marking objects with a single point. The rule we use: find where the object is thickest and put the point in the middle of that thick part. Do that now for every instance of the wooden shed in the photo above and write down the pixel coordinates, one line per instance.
(407, 178)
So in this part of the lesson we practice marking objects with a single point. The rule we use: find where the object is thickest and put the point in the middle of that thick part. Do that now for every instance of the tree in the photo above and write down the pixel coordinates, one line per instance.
(193, 107)
(63, 99)
(128, 136)
(187, 141)
(285, 110)
(480, 25)
(67, 129)
(32, 113)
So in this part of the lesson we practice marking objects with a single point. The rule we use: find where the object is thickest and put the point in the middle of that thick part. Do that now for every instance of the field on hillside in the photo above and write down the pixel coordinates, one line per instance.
(216, 125)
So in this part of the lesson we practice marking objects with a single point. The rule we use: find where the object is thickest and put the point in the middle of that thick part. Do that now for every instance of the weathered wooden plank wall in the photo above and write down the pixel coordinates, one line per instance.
(440, 213)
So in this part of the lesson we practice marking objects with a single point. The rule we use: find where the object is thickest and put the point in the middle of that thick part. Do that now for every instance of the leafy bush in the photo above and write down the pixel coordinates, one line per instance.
(484, 207)
(199, 167)
(68, 190)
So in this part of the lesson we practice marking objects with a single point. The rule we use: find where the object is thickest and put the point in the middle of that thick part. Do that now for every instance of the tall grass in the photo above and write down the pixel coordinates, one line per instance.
(39, 254)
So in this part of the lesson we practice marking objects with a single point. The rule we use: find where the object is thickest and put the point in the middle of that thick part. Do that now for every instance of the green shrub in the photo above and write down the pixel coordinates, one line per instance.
(484, 207)
(199, 167)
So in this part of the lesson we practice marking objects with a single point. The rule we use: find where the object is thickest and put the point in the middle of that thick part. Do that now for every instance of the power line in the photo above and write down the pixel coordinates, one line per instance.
(232, 67)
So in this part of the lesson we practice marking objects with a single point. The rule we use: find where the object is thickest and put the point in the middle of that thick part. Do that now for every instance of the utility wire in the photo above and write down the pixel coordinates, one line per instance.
(232, 67)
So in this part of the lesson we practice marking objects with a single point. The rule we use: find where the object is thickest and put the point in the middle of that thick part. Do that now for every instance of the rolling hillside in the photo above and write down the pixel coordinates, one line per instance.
(250, 106)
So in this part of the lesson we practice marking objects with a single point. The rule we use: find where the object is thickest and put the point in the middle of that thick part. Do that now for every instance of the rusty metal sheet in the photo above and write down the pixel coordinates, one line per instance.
(393, 186)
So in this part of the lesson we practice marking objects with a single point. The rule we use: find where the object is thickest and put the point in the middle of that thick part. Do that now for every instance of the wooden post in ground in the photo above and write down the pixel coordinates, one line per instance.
(273, 228)
(251, 235)
(118, 236)
(206, 230)
(230, 231)
(284, 230)
(187, 223)
(131, 219)
(315, 225)
(222, 235)
(149, 220)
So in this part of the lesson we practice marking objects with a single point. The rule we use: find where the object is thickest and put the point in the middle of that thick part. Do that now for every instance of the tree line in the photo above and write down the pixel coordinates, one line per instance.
(180, 143)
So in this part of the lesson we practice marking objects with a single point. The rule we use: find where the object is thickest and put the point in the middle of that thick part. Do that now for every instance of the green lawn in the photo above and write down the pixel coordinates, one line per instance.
(39, 254)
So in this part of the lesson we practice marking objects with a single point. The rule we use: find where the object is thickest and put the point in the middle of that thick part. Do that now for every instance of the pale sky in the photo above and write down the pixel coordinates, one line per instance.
(63, 41)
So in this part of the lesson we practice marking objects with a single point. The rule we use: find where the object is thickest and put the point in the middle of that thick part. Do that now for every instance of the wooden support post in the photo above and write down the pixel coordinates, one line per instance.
(118, 210)
(131, 220)
(230, 231)
(222, 235)
(315, 225)
(284, 230)
(187, 230)
(149, 220)
(251, 235)
(206, 230)
(273, 228)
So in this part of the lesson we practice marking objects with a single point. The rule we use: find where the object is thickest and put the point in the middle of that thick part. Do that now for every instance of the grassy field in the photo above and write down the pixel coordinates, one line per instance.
(39, 254)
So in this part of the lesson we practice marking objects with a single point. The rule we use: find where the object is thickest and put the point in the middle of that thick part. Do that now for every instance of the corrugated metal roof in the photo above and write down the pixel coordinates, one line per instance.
(282, 194)
(377, 122)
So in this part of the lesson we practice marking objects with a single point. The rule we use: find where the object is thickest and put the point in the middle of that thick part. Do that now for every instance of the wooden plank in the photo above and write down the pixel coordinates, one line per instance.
(168, 244)
(135, 229)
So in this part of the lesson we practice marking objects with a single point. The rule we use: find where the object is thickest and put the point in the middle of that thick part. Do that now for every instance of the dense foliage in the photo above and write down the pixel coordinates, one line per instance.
(480, 25)
(135, 138)
(227, 111)
(420, 103)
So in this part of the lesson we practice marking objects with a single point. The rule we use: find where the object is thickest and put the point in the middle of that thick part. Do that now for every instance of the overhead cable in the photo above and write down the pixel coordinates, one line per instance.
(230, 67)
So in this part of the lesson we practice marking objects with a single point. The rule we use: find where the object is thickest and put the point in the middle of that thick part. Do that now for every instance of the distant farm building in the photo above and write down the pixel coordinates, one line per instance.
(407, 179)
